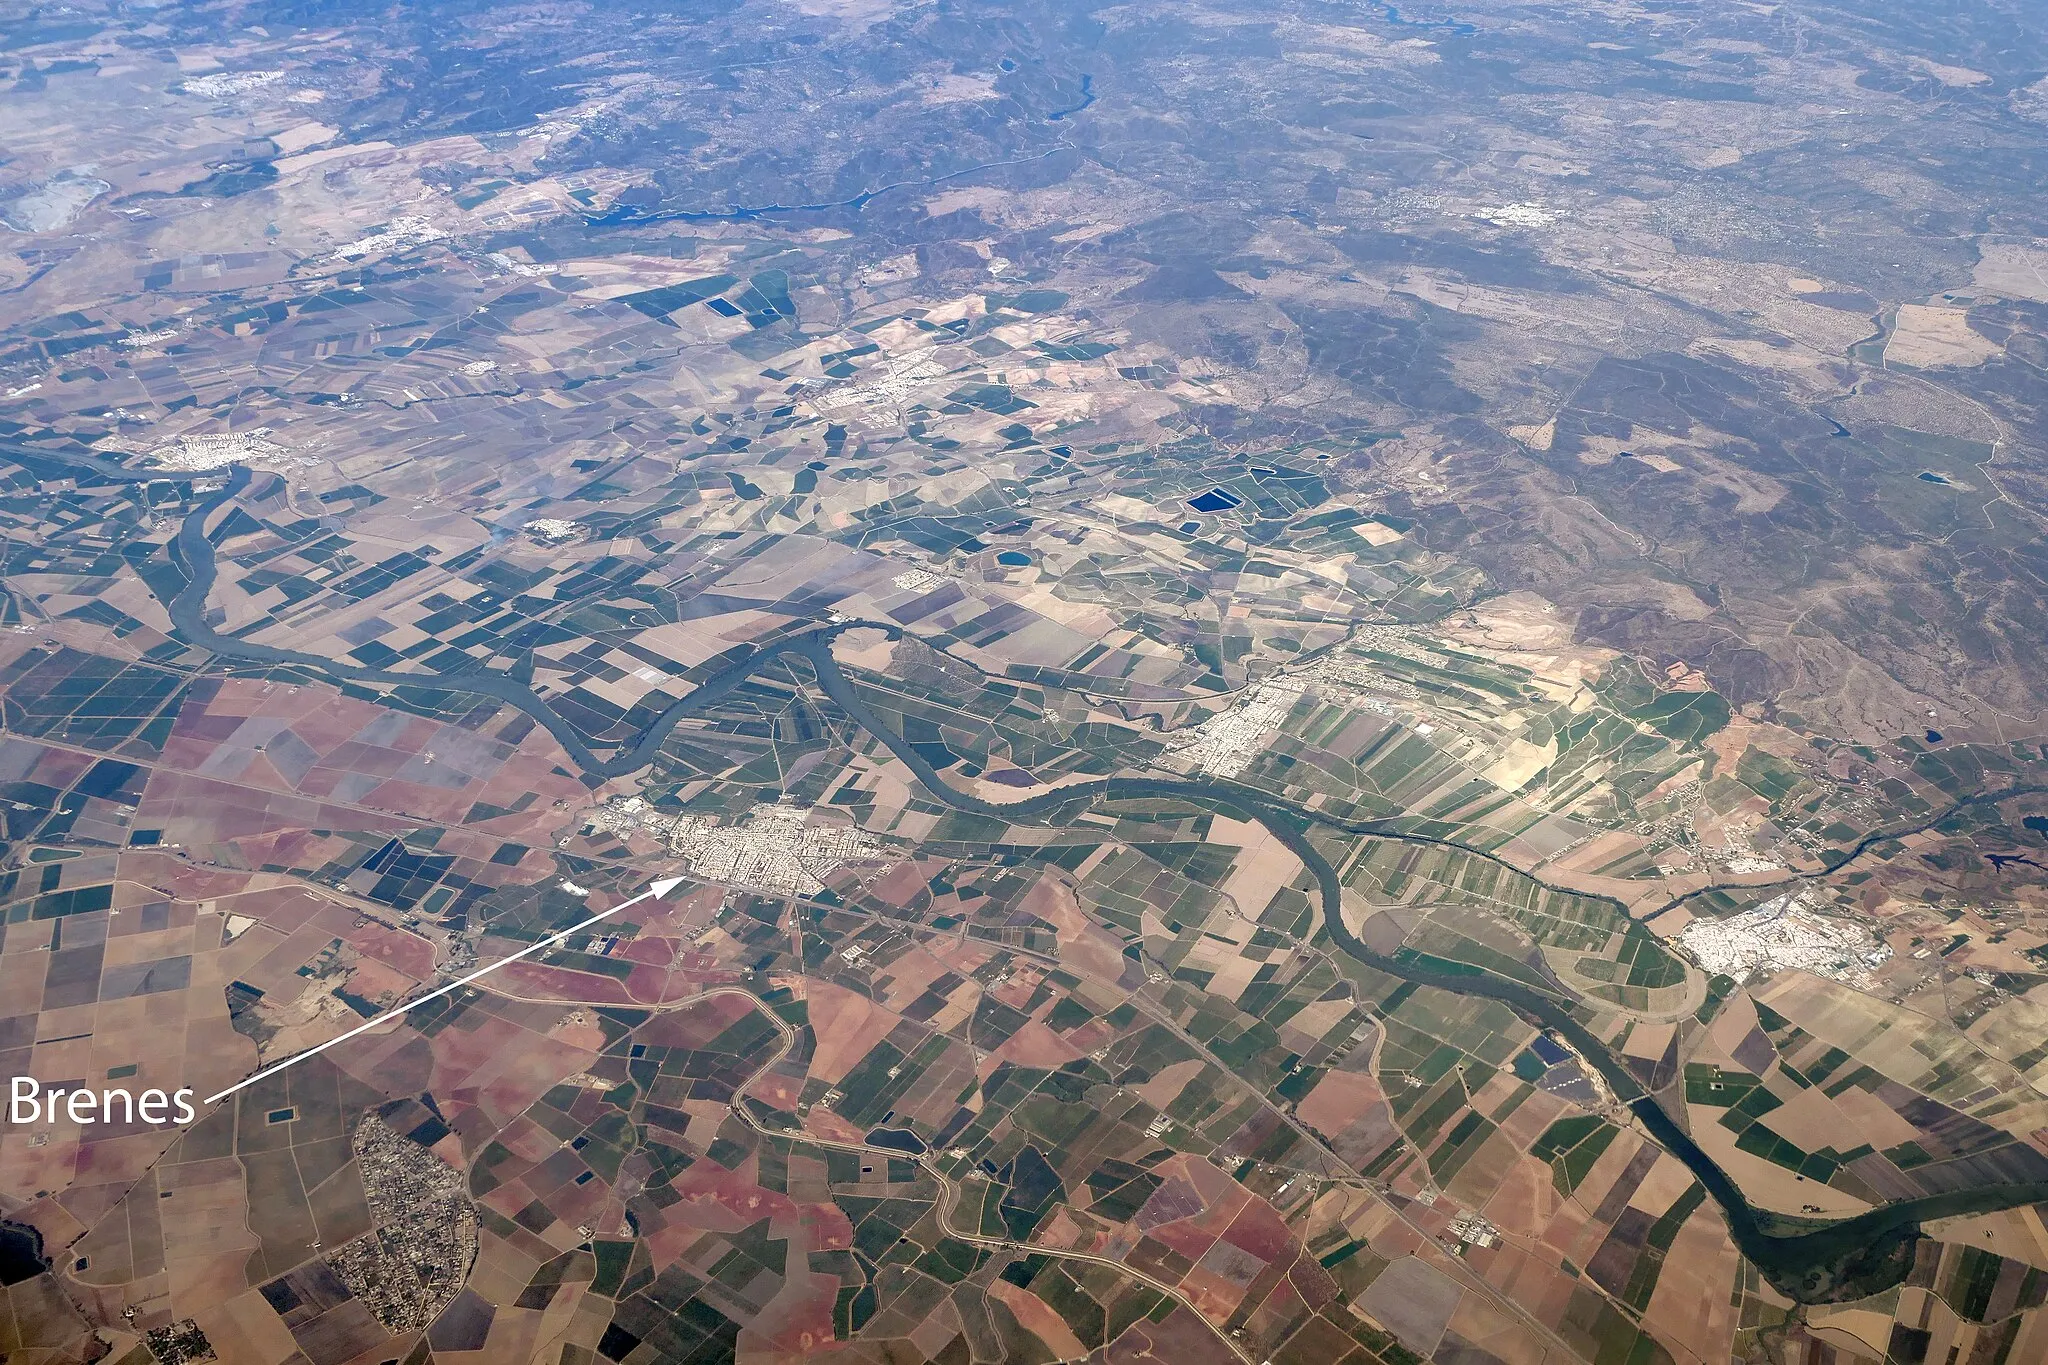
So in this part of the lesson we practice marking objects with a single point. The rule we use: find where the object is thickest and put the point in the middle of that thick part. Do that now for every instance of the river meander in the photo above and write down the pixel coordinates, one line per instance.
(1853, 1255)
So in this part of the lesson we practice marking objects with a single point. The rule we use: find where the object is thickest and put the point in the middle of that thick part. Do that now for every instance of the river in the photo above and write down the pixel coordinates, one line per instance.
(1851, 1256)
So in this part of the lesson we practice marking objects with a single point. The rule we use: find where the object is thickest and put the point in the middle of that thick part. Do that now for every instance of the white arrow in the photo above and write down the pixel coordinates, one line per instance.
(656, 891)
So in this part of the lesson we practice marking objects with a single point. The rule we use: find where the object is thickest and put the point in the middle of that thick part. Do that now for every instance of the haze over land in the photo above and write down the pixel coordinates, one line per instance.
(1333, 682)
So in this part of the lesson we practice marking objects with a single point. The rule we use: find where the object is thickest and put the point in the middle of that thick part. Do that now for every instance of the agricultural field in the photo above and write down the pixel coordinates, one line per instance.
(799, 681)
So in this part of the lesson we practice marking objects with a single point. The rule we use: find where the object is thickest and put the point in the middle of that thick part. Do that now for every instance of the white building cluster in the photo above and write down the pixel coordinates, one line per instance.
(1523, 213)
(1343, 673)
(1224, 745)
(553, 530)
(222, 83)
(400, 233)
(1784, 933)
(1474, 1230)
(775, 850)
(881, 398)
(187, 454)
(916, 580)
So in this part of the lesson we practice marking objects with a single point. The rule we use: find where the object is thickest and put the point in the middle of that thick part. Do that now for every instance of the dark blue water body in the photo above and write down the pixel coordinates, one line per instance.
(1087, 98)
(897, 1140)
(21, 1253)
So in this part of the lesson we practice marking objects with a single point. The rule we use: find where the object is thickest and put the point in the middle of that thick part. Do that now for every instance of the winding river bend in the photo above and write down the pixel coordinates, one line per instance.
(1850, 1256)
